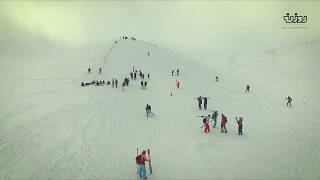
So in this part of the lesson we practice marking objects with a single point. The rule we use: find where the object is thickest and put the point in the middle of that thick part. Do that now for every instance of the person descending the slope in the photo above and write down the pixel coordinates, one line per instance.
(205, 101)
(239, 121)
(199, 102)
(289, 99)
(223, 123)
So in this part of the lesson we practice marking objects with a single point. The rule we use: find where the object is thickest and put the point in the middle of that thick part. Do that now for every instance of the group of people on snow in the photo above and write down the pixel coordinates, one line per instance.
(206, 120)
(204, 100)
(177, 72)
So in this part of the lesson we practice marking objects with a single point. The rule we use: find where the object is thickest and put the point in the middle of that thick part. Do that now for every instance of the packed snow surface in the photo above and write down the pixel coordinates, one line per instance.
(52, 128)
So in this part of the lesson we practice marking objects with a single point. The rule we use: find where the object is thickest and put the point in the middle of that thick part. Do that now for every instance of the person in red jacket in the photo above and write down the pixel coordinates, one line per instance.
(178, 83)
(223, 123)
(206, 124)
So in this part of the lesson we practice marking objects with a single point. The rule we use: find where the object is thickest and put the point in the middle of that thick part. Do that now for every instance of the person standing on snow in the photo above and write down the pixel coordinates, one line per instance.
(239, 121)
(199, 102)
(141, 84)
(145, 84)
(135, 75)
(177, 72)
(116, 81)
(142, 166)
(99, 70)
(112, 82)
(178, 84)
(217, 78)
(131, 75)
(214, 117)
(223, 123)
(206, 124)
(289, 101)
(148, 110)
(205, 101)
(247, 88)
(148, 76)
(89, 70)
(172, 72)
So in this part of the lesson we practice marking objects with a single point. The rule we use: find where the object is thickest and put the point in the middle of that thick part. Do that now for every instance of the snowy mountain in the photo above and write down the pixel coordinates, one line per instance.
(51, 127)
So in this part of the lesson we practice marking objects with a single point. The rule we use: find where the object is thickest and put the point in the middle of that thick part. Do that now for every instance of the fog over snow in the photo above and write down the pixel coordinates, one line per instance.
(52, 128)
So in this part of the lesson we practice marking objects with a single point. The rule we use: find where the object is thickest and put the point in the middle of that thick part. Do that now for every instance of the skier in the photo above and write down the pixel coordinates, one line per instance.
(214, 117)
(108, 83)
(223, 123)
(82, 84)
(89, 70)
(148, 110)
(239, 125)
(145, 84)
(217, 78)
(148, 76)
(178, 84)
(289, 101)
(141, 84)
(112, 82)
(205, 101)
(199, 101)
(142, 169)
(177, 72)
(206, 124)
(99, 70)
(172, 72)
(116, 81)
(148, 53)
(135, 75)
(247, 88)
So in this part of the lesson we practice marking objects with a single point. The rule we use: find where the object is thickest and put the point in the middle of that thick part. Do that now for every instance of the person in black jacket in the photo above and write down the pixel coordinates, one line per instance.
(205, 101)
(199, 102)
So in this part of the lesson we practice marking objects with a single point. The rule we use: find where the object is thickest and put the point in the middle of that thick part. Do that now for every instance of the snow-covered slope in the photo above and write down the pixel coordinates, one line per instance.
(53, 128)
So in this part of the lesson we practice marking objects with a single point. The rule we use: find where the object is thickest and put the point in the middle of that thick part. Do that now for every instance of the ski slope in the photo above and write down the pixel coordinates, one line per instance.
(52, 128)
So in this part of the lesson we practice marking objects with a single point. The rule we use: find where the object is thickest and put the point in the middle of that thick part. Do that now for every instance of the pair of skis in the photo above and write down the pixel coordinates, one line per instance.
(149, 155)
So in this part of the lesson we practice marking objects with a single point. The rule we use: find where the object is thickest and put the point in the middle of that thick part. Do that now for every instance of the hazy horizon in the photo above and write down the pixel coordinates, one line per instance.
(196, 29)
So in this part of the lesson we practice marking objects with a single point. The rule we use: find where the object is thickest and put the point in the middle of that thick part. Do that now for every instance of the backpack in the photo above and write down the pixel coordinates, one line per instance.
(138, 159)
(204, 120)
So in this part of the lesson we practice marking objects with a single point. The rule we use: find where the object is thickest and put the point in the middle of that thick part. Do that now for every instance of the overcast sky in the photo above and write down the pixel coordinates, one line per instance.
(196, 29)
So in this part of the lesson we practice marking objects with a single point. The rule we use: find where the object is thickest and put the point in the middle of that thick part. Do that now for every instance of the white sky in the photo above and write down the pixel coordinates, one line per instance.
(196, 29)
